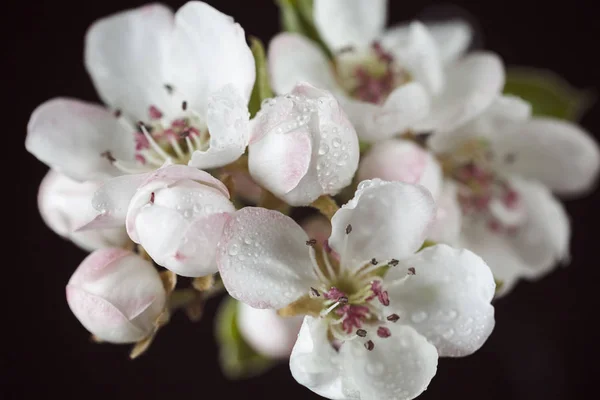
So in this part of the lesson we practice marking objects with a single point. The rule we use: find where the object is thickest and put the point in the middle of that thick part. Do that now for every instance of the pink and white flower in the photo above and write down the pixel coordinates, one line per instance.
(303, 146)
(117, 296)
(176, 213)
(379, 312)
(177, 85)
(410, 77)
(65, 205)
(505, 165)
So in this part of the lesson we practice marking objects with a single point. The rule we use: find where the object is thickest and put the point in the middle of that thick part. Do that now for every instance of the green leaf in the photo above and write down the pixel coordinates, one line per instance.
(296, 16)
(262, 90)
(548, 93)
(237, 359)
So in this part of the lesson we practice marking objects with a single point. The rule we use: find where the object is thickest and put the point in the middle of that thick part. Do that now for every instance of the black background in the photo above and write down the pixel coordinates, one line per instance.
(545, 342)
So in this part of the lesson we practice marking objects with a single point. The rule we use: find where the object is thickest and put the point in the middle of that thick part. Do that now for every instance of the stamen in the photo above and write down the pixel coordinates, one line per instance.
(328, 265)
(329, 309)
(153, 143)
(176, 147)
(343, 300)
(383, 332)
(169, 88)
(393, 262)
(117, 113)
(411, 271)
(369, 345)
(189, 144)
(361, 332)
(316, 267)
(155, 113)
(314, 292)
(393, 317)
(311, 242)
(184, 105)
(348, 229)
(374, 261)
(152, 198)
(108, 155)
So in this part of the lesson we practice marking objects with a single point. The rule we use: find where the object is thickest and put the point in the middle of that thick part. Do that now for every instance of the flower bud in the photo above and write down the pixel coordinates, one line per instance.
(116, 295)
(402, 161)
(178, 215)
(303, 146)
(266, 332)
(65, 205)
(317, 227)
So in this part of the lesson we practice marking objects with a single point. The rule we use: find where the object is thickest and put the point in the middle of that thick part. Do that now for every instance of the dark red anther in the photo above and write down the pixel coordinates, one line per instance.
(152, 198)
(412, 271)
(108, 155)
(311, 242)
(361, 333)
(393, 317)
(383, 332)
(369, 345)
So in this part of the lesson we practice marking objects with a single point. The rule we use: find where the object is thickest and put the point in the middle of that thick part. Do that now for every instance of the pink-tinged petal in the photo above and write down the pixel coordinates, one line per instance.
(264, 260)
(402, 161)
(71, 136)
(66, 204)
(404, 107)
(419, 54)
(447, 299)
(168, 175)
(101, 317)
(209, 51)
(472, 84)
(266, 332)
(388, 220)
(112, 199)
(116, 295)
(448, 220)
(286, 165)
(228, 124)
(317, 227)
(452, 37)
(343, 23)
(557, 153)
(314, 363)
(398, 367)
(543, 240)
(293, 59)
(126, 54)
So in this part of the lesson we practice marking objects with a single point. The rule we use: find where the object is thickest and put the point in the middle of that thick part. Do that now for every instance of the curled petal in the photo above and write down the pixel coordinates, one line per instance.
(71, 136)
(228, 125)
(344, 23)
(388, 219)
(448, 219)
(447, 299)
(264, 260)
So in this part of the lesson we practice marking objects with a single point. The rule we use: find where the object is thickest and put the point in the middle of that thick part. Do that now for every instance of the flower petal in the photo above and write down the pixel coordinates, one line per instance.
(209, 51)
(558, 153)
(70, 136)
(472, 84)
(112, 199)
(397, 368)
(388, 220)
(404, 107)
(544, 238)
(448, 219)
(417, 51)
(228, 124)
(267, 332)
(125, 55)
(402, 161)
(451, 37)
(447, 300)
(344, 23)
(293, 59)
(314, 363)
(264, 260)
(285, 167)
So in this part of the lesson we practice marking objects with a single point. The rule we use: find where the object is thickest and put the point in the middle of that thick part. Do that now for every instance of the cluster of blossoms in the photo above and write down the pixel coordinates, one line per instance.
(446, 185)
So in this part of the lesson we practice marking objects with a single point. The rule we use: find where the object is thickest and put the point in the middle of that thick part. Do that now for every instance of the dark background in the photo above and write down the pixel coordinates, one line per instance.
(545, 342)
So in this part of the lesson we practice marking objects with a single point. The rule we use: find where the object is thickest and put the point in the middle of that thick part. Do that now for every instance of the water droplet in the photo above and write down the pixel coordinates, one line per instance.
(418, 316)
(448, 334)
(187, 213)
(336, 142)
(233, 250)
(375, 369)
(248, 240)
(324, 149)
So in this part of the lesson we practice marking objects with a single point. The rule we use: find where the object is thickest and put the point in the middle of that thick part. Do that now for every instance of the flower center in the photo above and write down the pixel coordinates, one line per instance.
(369, 75)
(160, 139)
(351, 299)
(482, 192)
